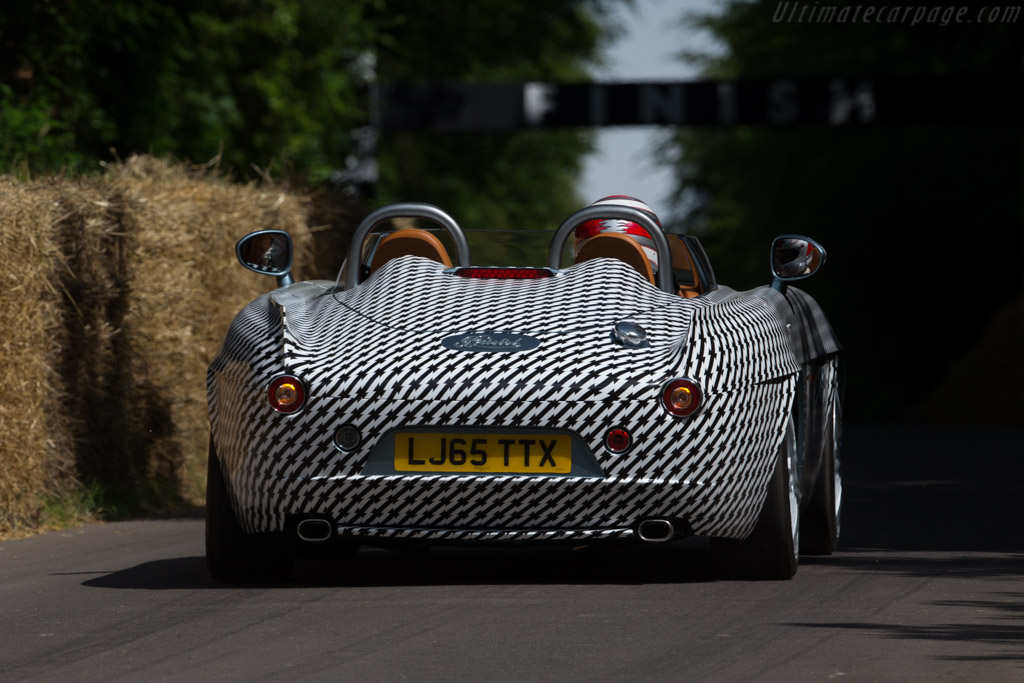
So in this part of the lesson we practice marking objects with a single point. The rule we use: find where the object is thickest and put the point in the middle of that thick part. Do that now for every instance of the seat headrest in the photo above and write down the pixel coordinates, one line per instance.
(617, 246)
(409, 242)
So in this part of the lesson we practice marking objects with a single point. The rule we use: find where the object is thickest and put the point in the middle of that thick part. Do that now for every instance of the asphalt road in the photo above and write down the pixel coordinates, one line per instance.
(927, 586)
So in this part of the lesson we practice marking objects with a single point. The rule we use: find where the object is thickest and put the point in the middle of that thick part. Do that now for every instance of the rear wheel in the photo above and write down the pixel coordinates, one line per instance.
(232, 556)
(770, 552)
(819, 534)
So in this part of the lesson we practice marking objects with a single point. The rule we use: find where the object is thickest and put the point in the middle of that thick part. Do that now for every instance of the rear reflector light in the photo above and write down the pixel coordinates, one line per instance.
(286, 394)
(618, 440)
(486, 273)
(681, 397)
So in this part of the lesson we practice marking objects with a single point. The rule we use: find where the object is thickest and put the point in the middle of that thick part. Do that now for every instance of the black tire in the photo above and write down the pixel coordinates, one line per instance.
(770, 552)
(232, 556)
(819, 526)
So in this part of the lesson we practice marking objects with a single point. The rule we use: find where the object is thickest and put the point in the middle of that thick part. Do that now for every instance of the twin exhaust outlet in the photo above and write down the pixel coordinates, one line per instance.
(314, 530)
(655, 530)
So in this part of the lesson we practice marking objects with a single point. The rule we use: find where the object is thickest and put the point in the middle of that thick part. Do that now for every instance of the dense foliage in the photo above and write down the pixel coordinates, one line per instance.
(260, 81)
(521, 180)
(275, 84)
(922, 223)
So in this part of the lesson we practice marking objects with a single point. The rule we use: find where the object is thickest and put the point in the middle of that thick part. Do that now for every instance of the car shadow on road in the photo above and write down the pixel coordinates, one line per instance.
(175, 573)
(689, 562)
(685, 562)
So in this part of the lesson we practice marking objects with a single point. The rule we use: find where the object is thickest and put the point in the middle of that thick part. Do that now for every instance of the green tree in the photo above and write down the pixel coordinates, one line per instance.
(277, 84)
(516, 180)
(922, 222)
(262, 81)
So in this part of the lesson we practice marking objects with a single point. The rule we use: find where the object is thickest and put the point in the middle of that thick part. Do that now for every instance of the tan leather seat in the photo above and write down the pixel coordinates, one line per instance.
(617, 246)
(684, 269)
(409, 242)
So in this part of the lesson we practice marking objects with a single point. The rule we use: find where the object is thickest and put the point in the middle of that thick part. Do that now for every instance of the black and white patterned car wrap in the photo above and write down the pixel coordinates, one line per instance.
(372, 357)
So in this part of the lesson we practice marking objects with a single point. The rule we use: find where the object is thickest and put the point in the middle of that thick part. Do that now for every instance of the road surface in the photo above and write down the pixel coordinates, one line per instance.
(927, 585)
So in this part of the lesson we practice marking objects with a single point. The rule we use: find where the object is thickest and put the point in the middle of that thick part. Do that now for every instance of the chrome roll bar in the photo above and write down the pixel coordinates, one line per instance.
(665, 280)
(401, 210)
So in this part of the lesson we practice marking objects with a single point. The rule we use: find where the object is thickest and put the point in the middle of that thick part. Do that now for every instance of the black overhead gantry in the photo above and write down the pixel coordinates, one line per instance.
(954, 100)
(784, 101)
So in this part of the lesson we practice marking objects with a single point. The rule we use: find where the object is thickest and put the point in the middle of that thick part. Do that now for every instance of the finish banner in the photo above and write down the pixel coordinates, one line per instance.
(828, 102)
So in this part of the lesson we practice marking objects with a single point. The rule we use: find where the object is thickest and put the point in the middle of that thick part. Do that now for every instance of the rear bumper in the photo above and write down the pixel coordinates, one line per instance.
(508, 509)
(709, 471)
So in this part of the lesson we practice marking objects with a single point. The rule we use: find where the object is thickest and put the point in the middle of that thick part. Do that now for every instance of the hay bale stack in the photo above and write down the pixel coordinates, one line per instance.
(128, 286)
(185, 287)
(35, 451)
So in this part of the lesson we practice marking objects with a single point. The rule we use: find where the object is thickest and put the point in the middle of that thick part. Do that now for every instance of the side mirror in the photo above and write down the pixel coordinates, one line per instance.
(795, 257)
(268, 252)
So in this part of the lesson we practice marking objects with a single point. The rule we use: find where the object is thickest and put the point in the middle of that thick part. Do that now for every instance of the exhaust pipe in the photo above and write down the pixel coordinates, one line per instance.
(314, 530)
(655, 530)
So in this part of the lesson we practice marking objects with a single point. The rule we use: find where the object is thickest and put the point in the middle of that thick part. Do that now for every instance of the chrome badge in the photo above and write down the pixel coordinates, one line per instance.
(490, 342)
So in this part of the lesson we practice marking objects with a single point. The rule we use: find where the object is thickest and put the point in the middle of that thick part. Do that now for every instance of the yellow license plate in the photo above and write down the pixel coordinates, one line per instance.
(471, 453)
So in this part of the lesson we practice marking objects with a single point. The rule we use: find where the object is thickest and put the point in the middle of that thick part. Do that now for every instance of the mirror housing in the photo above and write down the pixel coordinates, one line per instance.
(795, 257)
(268, 252)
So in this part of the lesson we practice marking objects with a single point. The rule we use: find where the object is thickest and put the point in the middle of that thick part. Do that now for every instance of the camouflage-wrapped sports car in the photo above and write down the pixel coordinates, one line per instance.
(422, 400)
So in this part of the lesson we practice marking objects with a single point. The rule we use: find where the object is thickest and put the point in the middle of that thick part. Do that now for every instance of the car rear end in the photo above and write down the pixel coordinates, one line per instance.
(437, 408)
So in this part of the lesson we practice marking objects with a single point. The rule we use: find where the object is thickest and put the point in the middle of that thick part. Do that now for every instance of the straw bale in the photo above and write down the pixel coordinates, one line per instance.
(117, 291)
(185, 287)
(35, 451)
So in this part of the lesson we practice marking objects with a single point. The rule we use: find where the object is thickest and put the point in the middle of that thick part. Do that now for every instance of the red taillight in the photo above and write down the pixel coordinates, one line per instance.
(681, 397)
(618, 440)
(504, 273)
(286, 394)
